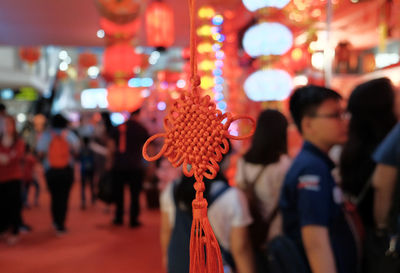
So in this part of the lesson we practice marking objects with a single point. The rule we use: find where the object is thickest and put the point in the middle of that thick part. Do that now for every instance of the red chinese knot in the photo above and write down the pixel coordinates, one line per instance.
(195, 135)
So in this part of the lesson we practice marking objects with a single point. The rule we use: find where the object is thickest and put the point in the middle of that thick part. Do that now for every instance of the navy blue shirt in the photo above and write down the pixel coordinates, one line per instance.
(310, 196)
(388, 152)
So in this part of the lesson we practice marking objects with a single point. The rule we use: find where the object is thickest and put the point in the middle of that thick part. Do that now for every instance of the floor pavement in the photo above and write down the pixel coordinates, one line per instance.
(92, 244)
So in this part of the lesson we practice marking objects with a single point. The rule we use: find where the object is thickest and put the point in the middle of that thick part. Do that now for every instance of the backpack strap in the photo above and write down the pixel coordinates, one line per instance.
(252, 183)
(356, 200)
(226, 254)
(218, 193)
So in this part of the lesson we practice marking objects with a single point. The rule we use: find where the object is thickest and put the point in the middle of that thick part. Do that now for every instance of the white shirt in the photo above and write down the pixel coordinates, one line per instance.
(229, 210)
(268, 187)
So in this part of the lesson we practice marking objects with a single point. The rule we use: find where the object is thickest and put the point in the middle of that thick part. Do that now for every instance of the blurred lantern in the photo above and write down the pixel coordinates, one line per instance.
(119, 31)
(159, 24)
(267, 39)
(253, 5)
(268, 85)
(62, 75)
(93, 84)
(206, 12)
(121, 97)
(186, 53)
(119, 61)
(296, 59)
(29, 54)
(119, 11)
(368, 63)
(87, 59)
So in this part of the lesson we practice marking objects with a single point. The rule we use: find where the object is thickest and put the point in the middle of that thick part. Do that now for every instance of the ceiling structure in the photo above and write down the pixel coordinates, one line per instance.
(75, 22)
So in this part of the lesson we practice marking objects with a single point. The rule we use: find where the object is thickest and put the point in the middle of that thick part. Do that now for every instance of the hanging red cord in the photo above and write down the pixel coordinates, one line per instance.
(196, 136)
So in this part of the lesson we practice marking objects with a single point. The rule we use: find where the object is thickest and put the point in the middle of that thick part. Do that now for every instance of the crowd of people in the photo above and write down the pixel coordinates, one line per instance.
(59, 150)
(335, 207)
(333, 212)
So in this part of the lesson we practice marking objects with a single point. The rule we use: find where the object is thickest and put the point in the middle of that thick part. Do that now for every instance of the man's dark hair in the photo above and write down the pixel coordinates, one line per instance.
(306, 100)
(58, 121)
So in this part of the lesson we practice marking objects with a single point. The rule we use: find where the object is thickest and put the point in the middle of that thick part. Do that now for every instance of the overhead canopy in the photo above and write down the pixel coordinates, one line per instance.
(75, 22)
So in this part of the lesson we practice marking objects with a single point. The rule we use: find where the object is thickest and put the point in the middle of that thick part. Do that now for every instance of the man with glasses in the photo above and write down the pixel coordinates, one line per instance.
(311, 203)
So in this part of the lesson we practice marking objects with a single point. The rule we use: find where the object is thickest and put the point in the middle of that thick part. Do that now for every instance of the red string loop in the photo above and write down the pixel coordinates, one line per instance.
(231, 120)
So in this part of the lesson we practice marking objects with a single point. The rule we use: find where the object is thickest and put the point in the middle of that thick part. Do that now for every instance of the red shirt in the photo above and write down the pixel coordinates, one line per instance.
(12, 170)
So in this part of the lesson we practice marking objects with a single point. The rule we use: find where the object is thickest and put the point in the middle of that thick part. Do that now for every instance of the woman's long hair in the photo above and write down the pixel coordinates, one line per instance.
(269, 140)
(371, 105)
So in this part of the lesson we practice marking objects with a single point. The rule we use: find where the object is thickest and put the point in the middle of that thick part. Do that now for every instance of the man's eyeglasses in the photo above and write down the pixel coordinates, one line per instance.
(342, 116)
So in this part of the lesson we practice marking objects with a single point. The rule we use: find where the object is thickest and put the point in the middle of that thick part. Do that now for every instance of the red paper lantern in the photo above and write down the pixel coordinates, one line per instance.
(87, 59)
(94, 84)
(119, 11)
(121, 97)
(300, 58)
(119, 32)
(62, 75)
(119, 61)
(159, 25)
(29, 54)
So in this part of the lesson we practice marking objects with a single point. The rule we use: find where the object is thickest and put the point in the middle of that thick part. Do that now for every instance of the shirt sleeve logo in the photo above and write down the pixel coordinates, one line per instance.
(309, 182)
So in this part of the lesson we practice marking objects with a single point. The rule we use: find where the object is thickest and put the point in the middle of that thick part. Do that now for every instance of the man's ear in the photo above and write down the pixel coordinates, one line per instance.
(306, 124)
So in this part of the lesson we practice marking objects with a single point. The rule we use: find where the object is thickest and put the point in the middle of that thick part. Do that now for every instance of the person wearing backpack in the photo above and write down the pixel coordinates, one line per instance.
(229, 217)
(311, 203)
(386, 182)
(260, 175)
(263, 168)
(58, 147)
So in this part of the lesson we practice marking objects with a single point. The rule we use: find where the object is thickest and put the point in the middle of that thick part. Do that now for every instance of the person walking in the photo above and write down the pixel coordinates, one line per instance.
(11, 154)
(128, 167)
(58, 147)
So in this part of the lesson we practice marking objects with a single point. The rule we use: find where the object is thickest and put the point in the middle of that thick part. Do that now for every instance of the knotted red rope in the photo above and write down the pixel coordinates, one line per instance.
(196, 136)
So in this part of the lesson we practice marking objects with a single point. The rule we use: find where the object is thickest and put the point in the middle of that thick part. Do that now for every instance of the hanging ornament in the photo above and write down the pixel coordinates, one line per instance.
(29, 54)
(93, 84)
(268, 85)
(297, 59)
(116, 32)
(119, 11)
(267, 39)
(119, 61)
(121, 97)
(87, 59)
(253, 5)
(196, 136)
(62, 75)
(159, 24)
